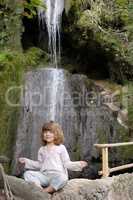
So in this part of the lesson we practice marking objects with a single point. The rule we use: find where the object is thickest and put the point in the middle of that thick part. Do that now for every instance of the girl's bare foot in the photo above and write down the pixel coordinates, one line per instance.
(49, 189)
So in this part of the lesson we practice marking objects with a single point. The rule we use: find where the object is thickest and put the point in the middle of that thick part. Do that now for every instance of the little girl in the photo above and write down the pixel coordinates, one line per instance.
(50, 171)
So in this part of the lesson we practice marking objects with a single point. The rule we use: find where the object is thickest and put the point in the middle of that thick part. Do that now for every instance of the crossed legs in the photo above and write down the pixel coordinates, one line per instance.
(51, 182)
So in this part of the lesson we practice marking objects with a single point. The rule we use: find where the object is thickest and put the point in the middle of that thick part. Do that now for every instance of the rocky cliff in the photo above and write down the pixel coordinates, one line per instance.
(79, 106)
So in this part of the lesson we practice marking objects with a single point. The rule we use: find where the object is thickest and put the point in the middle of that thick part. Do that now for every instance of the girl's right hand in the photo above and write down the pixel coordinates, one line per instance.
(22, 160)
(84, 164)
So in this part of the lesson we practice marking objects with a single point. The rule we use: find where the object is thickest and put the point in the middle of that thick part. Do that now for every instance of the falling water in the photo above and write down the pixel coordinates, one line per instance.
(52, 17)
(56, 84)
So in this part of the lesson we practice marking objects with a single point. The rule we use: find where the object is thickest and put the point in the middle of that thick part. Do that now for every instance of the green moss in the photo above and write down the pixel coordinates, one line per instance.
(102, 136)
(123, 154)
(10, 25)
(129, 98)
(90, 84)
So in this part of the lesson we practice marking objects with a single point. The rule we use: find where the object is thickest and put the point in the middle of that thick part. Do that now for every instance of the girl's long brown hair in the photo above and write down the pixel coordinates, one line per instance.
(55, 129)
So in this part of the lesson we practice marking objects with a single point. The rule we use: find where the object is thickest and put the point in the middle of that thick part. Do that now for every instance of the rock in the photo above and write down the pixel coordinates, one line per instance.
(26, 191)
(112, 107)
(2, 195)
(110, 188)
(123, 117)
(82, 189)
(121, 188)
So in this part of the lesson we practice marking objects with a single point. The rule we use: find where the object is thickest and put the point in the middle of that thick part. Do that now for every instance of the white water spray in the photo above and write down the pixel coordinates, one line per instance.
(52, 17)
(55, 93)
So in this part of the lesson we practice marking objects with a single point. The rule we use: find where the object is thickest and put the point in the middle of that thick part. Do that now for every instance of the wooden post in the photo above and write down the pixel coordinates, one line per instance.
(105, 167)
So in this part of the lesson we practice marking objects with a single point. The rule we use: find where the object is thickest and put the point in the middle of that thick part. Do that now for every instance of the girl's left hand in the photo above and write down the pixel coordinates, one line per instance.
(83, 164)
(22, 160)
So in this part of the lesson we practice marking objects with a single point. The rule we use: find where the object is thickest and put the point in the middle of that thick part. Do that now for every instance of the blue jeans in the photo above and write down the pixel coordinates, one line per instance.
(56, 180)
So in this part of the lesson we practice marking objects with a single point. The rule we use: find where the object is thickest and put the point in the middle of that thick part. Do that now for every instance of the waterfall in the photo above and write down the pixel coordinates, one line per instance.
(54, 93)
(52, 17)
(44, 89)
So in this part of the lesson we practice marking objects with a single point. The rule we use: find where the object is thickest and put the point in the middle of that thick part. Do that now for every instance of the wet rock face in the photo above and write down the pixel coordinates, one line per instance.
(73, 102)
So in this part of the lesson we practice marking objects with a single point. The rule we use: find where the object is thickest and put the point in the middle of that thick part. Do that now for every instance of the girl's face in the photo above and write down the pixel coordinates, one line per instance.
(48, 137)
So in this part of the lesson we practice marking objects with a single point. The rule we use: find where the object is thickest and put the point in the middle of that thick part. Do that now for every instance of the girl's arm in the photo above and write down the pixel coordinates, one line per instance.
(31, 164)
(73, 166)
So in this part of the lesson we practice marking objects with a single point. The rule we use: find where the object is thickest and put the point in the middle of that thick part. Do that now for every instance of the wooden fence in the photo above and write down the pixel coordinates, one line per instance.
(105, 162)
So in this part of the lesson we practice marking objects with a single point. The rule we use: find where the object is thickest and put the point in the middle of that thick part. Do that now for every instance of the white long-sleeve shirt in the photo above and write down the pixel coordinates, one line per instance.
(55, 159)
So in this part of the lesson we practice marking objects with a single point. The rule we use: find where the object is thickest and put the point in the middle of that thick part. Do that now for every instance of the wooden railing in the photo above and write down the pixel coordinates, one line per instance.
(105, 163)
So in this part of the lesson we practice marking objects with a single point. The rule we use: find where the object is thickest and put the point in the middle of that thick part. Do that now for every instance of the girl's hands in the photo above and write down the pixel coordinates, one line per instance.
(84, 164)
(22, 160)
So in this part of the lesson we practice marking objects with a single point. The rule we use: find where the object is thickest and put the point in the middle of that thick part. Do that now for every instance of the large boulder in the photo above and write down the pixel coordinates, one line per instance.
(111, 188)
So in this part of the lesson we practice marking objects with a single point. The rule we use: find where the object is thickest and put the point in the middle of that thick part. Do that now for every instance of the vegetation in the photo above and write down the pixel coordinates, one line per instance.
(11, 14)
(13, 64)
(129, 98)
(105, 26)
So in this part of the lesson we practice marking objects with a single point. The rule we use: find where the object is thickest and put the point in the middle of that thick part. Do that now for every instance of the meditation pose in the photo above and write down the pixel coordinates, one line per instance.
(50, 171)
